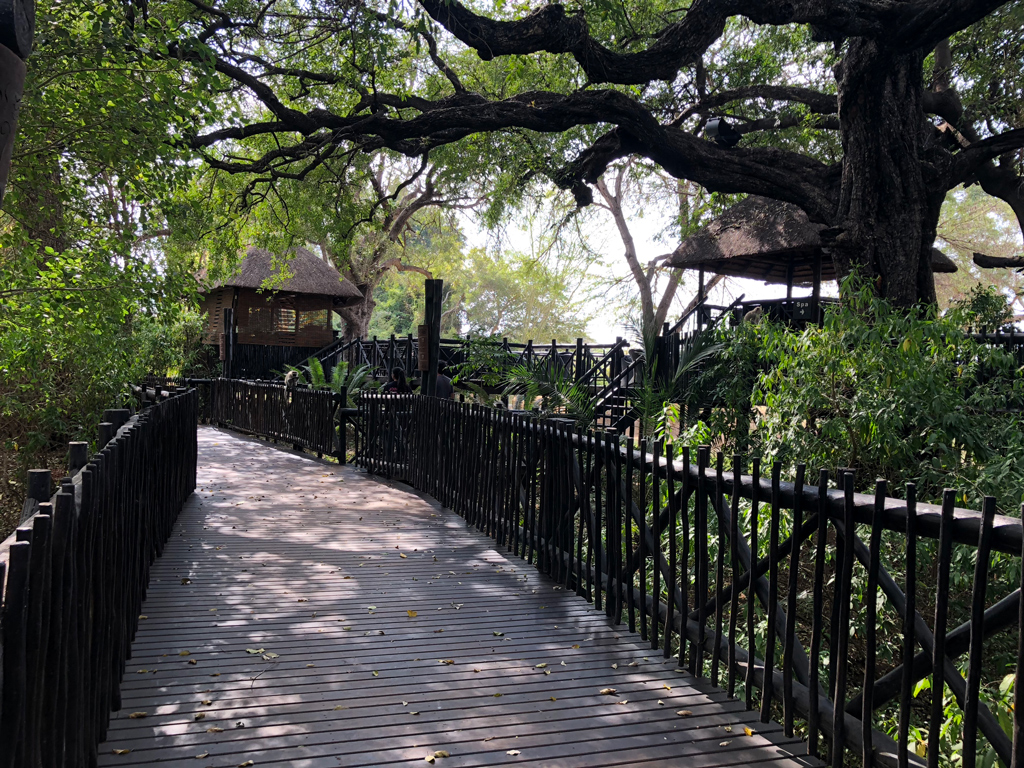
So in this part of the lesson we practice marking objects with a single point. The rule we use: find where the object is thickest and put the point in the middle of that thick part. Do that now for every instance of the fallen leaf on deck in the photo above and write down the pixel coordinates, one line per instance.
(311, 665)
(185, 653)
(576, 645)
(375, 673)
(624, 701)
(199, 716)
(429, 758)
(403, 555)
(724, 744)
(446, 661)
(512, 752)
(270, 655)
(141, 671)
(497, 695)
(255, 650)
(749, 731)
(412, 614)
(666, 686)
(186, 581)
(414, 713)
(302, 600)
(608, 691)
(442, 753)
(339, 706)
(214, 729)
(143, 617)
(120, 751)
(200, 757)
(727, 728)
(207, 702)
(615, 666)
(246, 764)
(192, 661)
(137, 715)
(498, 634)
(634, 663)
(541, 666)
(684, 713)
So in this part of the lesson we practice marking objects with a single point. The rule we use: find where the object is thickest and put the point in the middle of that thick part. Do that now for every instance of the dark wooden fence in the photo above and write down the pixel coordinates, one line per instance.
(593, 364)
(76, 575)
(307, 418)
(701, 562)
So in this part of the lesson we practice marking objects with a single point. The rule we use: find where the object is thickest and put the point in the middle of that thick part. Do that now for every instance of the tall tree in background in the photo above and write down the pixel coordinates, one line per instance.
(649, 187)
(633, 79)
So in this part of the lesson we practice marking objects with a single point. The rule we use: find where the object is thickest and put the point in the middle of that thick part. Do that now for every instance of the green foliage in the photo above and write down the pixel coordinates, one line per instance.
(983, 310)
(344, 380)
(658, 397)
(550, 393)
(904, 397)
(486, 360)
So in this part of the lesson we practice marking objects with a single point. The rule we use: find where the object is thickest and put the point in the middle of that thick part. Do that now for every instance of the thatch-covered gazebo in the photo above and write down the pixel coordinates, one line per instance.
(277, 327)
(769, 240)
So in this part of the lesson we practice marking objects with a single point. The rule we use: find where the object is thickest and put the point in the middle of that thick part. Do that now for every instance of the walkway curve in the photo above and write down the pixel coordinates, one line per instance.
(305, 614)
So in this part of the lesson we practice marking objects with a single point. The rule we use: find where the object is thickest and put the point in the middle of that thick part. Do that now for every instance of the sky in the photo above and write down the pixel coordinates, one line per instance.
(646, 227)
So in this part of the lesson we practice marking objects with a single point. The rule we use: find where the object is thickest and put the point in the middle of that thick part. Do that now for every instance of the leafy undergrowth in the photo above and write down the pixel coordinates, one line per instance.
(13, 468)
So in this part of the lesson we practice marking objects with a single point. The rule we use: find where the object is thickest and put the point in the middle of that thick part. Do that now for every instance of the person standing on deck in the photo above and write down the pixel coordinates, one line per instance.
(444, 388)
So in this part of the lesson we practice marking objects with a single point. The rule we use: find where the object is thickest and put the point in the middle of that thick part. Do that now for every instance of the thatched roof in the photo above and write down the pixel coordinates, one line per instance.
(758, 237)
(310, 275)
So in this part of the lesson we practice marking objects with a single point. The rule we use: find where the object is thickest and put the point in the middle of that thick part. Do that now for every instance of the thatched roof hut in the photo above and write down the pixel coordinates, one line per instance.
(764, 239)
(294, 317)
(309, 275)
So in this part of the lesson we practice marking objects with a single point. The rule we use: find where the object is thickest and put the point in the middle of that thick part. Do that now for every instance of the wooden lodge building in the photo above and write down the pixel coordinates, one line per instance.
(279, 327)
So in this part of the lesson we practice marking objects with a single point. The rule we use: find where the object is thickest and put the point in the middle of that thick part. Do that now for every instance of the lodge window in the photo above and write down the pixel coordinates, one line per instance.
(284, 320)
(316, 318)
(260, 320)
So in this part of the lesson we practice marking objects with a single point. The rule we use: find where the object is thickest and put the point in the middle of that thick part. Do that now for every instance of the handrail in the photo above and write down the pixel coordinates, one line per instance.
(591, 512)
(613, 384)
(76, 575)
(607, 358)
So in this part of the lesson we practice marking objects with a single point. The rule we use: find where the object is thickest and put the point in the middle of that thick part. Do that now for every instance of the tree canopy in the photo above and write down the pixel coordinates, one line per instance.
(863, 114)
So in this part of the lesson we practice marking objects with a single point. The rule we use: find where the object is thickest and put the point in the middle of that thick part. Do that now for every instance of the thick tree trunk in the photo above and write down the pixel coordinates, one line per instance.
(888, 211)
(357, 317)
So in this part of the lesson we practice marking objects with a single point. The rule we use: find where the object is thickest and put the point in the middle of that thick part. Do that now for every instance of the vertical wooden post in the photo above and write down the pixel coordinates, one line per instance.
(789, 279)
(229, 342)
(816, 290)
(700, 298)
(578, 374)
(15, 47)
(432, 318)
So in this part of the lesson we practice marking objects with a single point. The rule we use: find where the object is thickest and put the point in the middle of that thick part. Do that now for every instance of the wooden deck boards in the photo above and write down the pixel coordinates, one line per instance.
(321, 565)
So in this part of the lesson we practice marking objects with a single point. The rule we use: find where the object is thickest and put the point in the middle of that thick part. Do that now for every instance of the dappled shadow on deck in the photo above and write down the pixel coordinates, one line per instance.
(305, 614)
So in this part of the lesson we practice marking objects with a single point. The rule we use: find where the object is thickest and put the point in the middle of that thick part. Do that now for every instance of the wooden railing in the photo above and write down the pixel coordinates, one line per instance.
(311, 419)
(699, 560)
(576, 360)
(76, 574)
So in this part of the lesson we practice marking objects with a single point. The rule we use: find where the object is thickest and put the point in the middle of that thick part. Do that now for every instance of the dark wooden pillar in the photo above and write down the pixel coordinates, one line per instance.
(789, 279)
(816, 289)
(17, 28)
(432, 318)
(700, 298)
(229, 342)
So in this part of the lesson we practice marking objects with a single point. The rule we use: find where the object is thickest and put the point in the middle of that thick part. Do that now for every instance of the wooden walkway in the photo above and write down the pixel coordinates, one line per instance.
(305, 614)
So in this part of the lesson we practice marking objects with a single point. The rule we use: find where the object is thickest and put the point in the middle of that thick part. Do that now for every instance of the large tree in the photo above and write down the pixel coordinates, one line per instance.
(635, 79)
